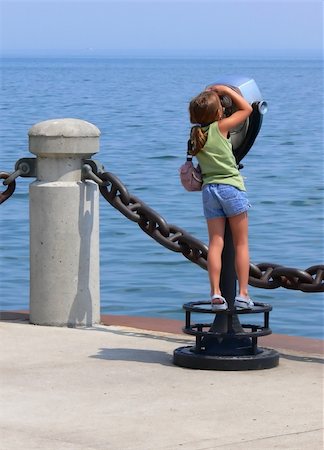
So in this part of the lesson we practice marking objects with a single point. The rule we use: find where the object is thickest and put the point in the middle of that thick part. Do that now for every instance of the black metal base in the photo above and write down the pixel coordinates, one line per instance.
(226, 344)
(188, 357)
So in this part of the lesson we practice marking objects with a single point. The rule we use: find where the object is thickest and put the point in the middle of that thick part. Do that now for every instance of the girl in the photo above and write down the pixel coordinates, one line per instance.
(223, 191)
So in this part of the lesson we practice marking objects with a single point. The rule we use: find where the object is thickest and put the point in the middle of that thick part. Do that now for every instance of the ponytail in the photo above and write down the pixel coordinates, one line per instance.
(198, 139)
(204, 109)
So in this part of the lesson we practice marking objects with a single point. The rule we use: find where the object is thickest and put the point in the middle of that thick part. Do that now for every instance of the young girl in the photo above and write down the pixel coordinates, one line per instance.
(223, 191)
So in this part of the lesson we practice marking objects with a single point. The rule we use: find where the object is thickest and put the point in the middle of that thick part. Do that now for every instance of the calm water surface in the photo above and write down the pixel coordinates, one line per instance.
(140, 106)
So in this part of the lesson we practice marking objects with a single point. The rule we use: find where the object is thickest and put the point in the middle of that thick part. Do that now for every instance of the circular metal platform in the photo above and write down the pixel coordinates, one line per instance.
(187, 357)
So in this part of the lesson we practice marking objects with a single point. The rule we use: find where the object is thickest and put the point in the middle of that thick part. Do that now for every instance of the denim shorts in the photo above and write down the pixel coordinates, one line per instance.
(223, 200)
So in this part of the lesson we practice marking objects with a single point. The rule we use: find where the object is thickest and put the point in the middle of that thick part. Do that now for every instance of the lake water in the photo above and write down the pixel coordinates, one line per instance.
(140, 106)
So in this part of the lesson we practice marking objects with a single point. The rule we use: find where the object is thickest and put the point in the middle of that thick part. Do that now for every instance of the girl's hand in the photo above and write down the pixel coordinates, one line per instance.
(220, 89)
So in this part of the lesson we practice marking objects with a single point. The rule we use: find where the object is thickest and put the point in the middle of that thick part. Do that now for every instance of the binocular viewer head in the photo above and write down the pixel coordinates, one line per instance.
(243, 136)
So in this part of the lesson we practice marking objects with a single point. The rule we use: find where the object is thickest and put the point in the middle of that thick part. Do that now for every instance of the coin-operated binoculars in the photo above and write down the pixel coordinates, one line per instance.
(225, 344)
(244, 135)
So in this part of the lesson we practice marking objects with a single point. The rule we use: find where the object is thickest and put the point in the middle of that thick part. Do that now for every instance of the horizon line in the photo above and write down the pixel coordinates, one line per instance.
(154, 53)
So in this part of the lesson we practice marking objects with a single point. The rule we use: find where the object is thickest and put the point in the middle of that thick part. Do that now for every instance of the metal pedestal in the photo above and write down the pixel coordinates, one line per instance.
(234, 348)
(225, 344)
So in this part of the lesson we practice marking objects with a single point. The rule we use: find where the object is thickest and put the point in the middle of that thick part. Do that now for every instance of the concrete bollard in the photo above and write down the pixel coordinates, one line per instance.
(64, 226)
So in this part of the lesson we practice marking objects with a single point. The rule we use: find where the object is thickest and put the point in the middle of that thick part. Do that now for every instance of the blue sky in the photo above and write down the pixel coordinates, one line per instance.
(233, 28)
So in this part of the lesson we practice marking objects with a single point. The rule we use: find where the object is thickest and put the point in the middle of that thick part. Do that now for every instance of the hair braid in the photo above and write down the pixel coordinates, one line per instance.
(198, 139)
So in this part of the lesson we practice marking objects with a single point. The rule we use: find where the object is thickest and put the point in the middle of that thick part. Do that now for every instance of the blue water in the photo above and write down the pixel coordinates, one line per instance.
(140, 106)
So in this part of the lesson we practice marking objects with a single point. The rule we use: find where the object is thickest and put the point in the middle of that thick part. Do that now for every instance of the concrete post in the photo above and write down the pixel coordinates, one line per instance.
(64, 226)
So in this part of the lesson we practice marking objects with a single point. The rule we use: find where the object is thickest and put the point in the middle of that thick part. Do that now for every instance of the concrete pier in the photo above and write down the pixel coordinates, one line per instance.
(64, 226)
(115, 388)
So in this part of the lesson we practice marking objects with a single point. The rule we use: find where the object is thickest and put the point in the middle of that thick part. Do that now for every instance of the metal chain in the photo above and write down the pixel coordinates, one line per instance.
(264, 275)
(170, 236)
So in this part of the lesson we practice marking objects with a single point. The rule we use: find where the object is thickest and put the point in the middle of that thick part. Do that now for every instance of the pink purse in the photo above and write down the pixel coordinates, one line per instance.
(190, 176)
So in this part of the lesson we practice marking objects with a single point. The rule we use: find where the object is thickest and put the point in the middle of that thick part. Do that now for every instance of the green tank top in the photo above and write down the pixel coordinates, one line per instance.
(217, 160)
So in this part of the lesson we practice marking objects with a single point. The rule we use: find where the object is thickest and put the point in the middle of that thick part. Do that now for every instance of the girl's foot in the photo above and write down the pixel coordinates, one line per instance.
(241, 302)
(218, 303)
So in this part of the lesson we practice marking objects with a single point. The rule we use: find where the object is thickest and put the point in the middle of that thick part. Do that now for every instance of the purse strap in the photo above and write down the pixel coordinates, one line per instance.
(189, 147)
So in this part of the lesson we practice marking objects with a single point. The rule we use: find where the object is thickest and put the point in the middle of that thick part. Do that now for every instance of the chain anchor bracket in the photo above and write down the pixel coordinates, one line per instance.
(91, 169)
(24, 167)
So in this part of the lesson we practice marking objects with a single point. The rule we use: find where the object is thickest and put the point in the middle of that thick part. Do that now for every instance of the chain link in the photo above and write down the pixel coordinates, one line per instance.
(10, 189)
(264, 275)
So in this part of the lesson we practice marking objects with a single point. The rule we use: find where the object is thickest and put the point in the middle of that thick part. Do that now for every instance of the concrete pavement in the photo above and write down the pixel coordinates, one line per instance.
(115, 388)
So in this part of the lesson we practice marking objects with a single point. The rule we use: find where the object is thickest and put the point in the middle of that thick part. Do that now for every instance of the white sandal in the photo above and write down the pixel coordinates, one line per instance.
(243, 302)
(218, 306)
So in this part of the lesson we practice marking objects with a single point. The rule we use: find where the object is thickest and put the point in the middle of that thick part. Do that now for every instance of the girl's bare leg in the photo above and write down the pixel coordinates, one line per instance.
(216, 229)
(239, 229)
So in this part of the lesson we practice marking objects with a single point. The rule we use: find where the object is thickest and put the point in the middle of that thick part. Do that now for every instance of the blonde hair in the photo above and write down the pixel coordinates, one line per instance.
(204, 109)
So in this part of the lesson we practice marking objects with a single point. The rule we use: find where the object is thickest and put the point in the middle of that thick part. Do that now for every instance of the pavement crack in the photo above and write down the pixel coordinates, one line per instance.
(266, 438)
